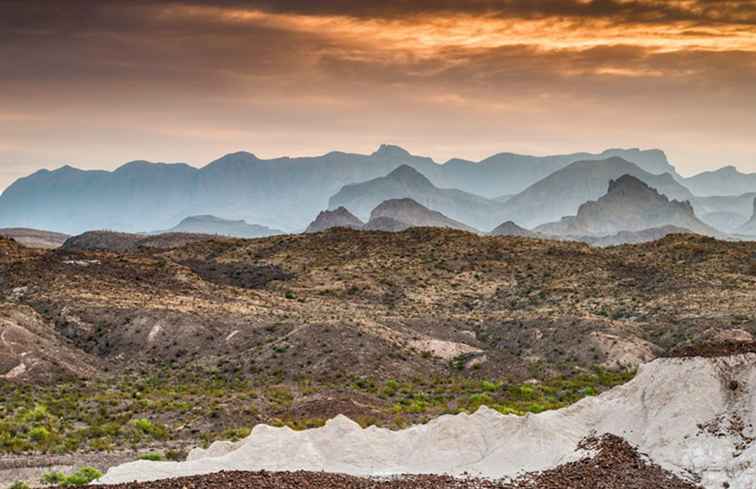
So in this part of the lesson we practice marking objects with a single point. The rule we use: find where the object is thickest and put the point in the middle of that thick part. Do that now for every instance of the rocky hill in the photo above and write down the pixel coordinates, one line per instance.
(631, 205)
(386, 224)
(337, 218)
(633, 237)
(279, 193)
(749, 228)
(561, 193)
(213, 225)
(406, 182)
(35, 238)
(409, 212)
(125, 242)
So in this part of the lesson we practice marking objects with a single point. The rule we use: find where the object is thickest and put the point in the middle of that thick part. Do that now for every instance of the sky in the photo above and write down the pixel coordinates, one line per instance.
(98, 83)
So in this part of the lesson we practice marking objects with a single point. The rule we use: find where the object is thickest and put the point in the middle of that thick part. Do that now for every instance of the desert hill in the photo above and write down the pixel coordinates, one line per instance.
(337, 218)
(409, 212)
(35, 238)
(213, 225)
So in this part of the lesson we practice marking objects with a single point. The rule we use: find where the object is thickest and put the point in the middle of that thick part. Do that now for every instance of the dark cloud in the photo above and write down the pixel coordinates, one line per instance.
(99, 82)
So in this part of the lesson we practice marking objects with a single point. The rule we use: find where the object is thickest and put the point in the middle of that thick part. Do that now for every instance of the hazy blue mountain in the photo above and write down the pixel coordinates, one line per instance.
(508, 173)
(724, 181)
(727, 222)
(736, 205)
(223, 227)
(749, 228)
(563, 192)
(280, 193)
(406, 182)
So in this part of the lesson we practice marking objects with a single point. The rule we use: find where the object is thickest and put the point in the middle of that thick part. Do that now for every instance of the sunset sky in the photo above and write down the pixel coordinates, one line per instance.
(99, 83)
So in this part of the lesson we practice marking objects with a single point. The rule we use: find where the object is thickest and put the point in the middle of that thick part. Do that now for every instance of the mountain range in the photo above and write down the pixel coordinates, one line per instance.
(278, 193)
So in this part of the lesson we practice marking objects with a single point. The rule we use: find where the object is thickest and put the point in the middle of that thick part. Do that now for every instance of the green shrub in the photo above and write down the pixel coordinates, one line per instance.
(236, 434)
(152, 457)
(19, 485)
(39, 413)
(39, 434)
(53, 478)
(147, 427)
(82, 477)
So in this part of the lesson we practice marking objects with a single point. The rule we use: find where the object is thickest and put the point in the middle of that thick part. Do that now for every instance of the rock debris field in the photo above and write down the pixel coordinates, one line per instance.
(613, 464)
(690, 418)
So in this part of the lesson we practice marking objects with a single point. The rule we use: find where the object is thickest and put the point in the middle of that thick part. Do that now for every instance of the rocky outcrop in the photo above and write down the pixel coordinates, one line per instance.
(631, 205)
(338, 218)
(412, 214)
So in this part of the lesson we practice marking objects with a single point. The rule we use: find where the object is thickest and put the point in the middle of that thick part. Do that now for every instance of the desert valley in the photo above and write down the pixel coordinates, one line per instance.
(390, 308)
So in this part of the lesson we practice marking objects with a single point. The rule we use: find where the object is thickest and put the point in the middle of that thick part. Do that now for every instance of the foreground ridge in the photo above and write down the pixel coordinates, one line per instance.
(661, 412)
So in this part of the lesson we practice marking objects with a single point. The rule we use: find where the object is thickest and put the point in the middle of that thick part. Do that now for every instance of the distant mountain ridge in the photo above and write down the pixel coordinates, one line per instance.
(724, 181)
(279, 193)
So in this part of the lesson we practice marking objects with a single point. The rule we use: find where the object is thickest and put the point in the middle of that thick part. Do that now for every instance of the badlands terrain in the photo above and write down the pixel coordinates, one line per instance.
(146, 346)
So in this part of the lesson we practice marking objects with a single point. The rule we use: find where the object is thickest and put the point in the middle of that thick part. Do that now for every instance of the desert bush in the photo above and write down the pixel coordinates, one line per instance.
(82, 477)
(152, 457)
(53, 478)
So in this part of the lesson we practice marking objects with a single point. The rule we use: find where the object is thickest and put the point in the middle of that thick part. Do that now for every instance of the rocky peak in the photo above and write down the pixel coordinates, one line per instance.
(410, 212)
(631, 205)
(340, 217)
